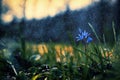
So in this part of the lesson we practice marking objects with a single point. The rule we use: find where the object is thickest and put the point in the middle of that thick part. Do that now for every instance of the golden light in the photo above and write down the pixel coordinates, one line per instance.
(7, 18)
(78, 4)
(39, 9)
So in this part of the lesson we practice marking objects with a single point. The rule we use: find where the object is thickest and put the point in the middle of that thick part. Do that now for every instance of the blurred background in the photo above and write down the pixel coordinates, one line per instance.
(57, 20)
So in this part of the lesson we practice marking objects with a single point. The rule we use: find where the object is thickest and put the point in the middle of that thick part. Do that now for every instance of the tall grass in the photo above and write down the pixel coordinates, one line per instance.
(94, 32)
(114, 32)
(87, 62)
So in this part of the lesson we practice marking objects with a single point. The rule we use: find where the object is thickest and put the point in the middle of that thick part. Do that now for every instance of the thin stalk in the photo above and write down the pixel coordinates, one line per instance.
(94, 32)
(104, 40)
(86, 63)
(114, 32)
(13, 68)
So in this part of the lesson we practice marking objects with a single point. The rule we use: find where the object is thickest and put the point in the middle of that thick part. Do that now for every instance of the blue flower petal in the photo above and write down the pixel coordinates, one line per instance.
(79, 37)
(89, 39)
(85, 34)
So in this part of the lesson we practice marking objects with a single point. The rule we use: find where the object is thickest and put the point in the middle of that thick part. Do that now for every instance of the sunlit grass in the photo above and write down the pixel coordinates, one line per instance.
(61, 50)
(71, 56)
(85, 60)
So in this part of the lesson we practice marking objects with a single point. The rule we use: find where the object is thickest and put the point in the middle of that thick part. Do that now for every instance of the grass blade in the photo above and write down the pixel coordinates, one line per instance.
(94, 31)
(114, 32)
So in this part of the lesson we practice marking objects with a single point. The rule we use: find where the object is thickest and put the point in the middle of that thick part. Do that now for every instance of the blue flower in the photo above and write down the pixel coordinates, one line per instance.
(84, 36)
